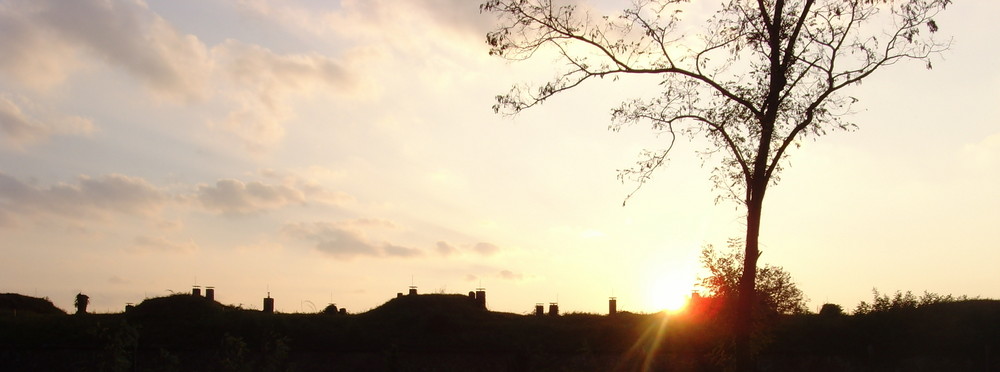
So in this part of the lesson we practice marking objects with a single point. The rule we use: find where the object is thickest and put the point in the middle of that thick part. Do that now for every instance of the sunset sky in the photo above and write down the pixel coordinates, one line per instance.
(335, 151)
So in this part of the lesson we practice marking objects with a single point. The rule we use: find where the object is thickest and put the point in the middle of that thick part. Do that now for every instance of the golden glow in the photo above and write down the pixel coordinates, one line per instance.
(667, 293)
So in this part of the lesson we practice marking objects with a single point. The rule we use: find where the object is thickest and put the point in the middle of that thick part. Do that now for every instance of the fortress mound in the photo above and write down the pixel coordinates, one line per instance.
(421, 306)
(13, 303)
(177, 306)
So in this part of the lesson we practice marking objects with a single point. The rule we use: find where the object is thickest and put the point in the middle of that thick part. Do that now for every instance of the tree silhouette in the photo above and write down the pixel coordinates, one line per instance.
(760, 77)
(831, 310)
(776, 292)
(81, 303)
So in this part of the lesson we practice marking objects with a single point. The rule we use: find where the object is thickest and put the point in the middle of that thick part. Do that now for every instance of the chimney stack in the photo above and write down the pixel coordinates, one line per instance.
(268, 304)
(481, 297)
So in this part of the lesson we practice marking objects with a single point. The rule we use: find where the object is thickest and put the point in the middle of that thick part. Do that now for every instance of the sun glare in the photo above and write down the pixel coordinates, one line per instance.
(667, 294)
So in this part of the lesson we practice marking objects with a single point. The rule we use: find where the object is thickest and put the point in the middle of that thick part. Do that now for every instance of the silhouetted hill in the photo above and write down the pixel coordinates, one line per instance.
(177, 306)
(453, 305)
(187, 322)
(16, 304)
(420, 322)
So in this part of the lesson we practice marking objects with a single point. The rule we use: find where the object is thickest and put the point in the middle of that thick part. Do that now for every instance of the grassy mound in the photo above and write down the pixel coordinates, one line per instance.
(15, 304)
(177, 306)
(422, 306)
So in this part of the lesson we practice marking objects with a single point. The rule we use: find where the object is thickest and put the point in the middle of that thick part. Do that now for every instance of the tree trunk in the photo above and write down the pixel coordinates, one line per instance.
(747, 294)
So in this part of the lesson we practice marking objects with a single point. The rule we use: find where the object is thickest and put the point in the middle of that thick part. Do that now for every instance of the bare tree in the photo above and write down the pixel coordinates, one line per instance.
(760, 77)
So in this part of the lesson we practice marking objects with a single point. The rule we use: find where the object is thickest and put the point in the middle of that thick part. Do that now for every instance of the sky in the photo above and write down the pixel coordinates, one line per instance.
(339, 152)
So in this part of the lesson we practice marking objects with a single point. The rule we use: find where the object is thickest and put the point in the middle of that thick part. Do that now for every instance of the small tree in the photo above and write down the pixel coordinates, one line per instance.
(760, 77)
(81, 303)
(831, 310)
(330, 309)
(777, 293)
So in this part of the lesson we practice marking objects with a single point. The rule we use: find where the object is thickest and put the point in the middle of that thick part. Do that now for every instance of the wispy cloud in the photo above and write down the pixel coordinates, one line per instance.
(347, 239)
(485, 249)
(34, 54)
(264, 83)
(161, 244)
(44, 42)
(24, 123)
(312, 189)
(482, 248)
(99, 197)
(235, 197)
(445, 249)
(391, 37)
(379, 18)
(510, 275)
(122, 33)
(86, 198)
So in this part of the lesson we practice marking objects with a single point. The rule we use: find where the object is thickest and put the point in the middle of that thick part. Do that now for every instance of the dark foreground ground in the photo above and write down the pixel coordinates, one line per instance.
(450, 333)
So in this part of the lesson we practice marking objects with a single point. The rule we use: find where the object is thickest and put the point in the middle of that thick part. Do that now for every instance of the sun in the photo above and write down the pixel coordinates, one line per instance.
(668, 294)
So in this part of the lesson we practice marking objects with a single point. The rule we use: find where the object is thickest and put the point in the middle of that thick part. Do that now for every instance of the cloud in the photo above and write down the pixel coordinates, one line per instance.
(122, 33)
(984, 154)
(391, 37)
(90, 197)
(45, 41)
(86, 198)
(482, 248)
(234, 197)
(25, 124)
(369, 223)
(169, 225)
(485, 249)
(442, 17)
(313, 190)
(265, 83)
(510, 275)
(33, 55)
(378, 18)
(335, 240)
(446, 249)
(346, 239)
(161, 244)
(400, 251)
